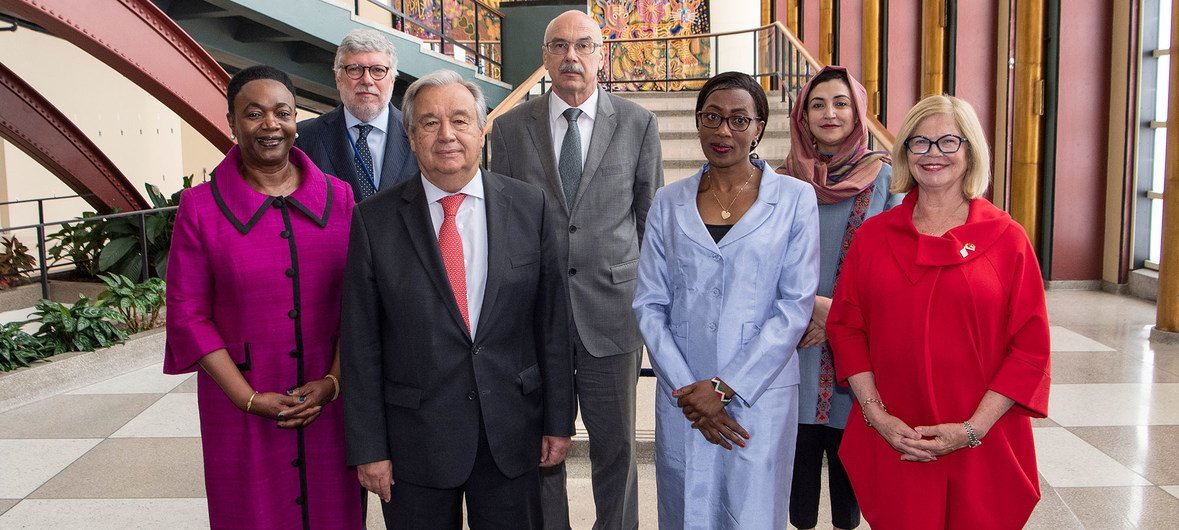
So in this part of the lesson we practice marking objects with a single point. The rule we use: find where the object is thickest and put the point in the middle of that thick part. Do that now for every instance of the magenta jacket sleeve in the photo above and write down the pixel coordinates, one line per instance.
(191, 331)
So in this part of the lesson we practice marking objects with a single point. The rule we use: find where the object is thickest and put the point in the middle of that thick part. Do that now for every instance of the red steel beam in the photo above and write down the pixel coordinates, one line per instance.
(34, 125)
(139, 41)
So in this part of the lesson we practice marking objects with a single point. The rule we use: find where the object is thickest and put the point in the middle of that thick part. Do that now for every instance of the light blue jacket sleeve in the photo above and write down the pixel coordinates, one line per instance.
(758, 364)
(652, 303)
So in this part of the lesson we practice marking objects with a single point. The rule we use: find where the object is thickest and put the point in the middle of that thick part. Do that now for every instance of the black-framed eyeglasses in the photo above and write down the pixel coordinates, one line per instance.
(561, 47)
(737, 122)
(356, 71)
(947, 144)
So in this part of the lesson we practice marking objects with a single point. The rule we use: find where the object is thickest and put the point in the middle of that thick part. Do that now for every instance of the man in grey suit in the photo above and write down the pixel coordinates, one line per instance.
(598, 158)
(455, 365)
(363, 141)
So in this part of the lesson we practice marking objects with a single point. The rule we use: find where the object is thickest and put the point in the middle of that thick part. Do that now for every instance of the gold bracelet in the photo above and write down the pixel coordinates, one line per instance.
(250, 403)
(869, 402)
(336, 383)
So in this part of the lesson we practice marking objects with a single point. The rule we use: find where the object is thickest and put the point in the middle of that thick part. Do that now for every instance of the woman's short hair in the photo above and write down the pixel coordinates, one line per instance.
(978, 152)
(441, 78)
(364, 41)
(739, 81)
(255, 73)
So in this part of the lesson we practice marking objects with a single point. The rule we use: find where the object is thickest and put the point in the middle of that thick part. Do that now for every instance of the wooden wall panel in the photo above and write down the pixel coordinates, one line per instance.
(974, 63)
(851, 24)
(904, 59)
(1079, 215)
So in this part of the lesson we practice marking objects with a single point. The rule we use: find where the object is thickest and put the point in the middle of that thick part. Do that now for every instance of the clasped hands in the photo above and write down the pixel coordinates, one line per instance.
(701, 406)
(298, 407)
(921, 443)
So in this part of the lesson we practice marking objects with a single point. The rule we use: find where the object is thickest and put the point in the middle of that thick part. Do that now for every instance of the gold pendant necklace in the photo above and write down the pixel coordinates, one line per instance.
(727, 212)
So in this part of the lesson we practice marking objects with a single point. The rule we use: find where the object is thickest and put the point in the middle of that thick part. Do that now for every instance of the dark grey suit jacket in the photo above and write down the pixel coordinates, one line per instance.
(325, 140)
(415, 382)
(599, 238)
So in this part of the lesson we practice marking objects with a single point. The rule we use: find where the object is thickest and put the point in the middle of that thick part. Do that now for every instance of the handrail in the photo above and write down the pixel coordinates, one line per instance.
(521, 92)
(875, 128)
(485, 63)
(784, 75)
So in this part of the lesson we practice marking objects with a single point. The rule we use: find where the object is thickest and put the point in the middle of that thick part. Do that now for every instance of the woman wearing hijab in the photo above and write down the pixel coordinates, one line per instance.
(830, 152)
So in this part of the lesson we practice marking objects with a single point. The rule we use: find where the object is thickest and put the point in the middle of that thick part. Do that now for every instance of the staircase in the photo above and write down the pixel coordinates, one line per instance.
(682, 156)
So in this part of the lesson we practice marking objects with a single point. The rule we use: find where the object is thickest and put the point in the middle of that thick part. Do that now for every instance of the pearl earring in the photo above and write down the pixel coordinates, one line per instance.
(296, 136)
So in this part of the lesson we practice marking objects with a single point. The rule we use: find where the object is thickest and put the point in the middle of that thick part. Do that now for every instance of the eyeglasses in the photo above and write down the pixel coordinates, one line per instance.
(737, 122)
(356, 71)
(561, 47)
(947, 144)
(432, 125)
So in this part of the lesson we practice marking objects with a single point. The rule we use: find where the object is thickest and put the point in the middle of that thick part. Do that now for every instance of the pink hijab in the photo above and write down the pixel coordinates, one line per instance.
(852, 168)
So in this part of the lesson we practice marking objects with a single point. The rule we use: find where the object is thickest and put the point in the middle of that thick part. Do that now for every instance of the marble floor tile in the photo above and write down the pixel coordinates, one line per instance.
(174, 415)
(73, 416)
(1106, 367)
(21, 315)
(1065, 340)
(1150, 451)
(131, 468)
(5, 504)
(189, 386)
(1173, 490)
(1051, 512)
(1093, 405)
(108, 514)
(1044, 422)
(147, 380)
(27, 464)
(1122, 507)
(1066, 461)
(1079, 307)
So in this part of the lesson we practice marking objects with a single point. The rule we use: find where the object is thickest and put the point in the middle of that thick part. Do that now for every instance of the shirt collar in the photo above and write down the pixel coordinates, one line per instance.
(244, 206)
(474, 188)
(557, 106)
(381, 122)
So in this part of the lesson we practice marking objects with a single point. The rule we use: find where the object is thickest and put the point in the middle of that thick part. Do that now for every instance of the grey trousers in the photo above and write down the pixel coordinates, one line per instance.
(606, 397)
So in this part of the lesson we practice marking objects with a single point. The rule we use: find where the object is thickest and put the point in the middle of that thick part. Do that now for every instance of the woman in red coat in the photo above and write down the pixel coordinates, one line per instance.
(940, 327)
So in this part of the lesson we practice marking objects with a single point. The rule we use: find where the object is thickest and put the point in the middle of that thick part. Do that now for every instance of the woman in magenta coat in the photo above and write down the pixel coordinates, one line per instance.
(254, 288)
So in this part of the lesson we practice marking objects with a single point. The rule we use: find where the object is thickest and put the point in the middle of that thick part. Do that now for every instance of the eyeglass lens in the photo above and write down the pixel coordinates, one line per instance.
(947, 144)
(377, 71)
(736, 122)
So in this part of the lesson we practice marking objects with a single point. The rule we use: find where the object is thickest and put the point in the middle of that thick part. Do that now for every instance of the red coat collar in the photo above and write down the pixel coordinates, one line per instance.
(243, 206)
(916, 253)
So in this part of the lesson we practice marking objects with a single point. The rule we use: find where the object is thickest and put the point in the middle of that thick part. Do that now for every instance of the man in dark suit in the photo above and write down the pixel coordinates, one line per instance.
(456, 364)
(598, 158)
(363, 141)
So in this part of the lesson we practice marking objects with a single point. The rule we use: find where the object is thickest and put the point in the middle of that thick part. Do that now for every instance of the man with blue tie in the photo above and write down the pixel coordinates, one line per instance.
(363, 141)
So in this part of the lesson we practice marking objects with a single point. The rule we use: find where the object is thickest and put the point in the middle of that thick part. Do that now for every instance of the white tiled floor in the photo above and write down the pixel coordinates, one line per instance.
(109, 514)
(1067, 461)
(29, 463)
(1065, 340)
(148, 380)
(1115, 404)
(174, 415)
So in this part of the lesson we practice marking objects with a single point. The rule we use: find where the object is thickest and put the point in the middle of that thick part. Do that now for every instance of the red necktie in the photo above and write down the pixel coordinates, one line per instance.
(451, 245)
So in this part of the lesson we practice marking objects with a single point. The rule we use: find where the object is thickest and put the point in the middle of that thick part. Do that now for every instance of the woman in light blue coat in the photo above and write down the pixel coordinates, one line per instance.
(727, 280)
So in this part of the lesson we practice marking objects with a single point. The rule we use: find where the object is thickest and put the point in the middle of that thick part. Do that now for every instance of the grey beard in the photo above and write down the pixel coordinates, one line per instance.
(366, 113)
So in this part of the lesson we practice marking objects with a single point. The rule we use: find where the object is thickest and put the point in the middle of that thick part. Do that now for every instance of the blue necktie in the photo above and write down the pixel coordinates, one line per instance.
(366, 184)
(569, 164)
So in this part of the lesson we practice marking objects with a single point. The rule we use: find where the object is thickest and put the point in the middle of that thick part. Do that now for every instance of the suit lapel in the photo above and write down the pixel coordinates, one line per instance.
(498, 205)
(416, 215)
(768, 197)
(605, 123)
(688, 217)
(542, 141)
(339, 148)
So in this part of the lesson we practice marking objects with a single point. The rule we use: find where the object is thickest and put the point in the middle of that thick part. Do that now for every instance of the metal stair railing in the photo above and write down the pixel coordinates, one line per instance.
(779, 60)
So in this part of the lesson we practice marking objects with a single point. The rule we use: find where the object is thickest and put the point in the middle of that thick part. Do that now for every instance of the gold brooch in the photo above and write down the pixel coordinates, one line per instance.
(967, 248)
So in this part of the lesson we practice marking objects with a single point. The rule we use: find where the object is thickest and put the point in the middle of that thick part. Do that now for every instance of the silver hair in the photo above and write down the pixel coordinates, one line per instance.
(362, 41)
(439, 78)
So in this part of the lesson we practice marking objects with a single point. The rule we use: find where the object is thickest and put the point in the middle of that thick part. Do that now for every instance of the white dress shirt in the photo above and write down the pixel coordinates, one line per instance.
(375, 138)
(471, 221)
(585, 123)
